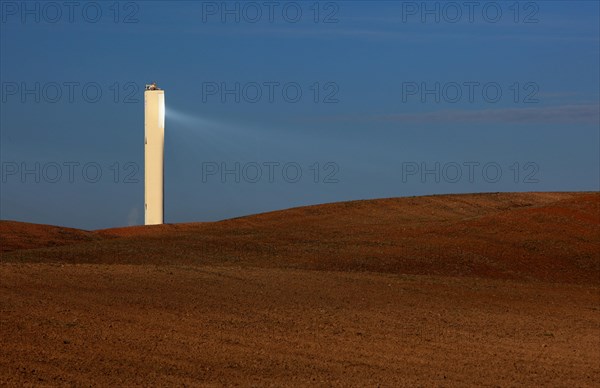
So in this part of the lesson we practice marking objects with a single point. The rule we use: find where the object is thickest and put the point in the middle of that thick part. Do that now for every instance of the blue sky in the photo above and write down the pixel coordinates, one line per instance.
(513, 104)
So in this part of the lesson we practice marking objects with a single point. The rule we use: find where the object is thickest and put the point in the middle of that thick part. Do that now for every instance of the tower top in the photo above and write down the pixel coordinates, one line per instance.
(152, 86)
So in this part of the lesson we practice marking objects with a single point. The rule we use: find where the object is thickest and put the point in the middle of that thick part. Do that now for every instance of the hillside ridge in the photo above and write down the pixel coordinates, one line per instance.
(551, 237)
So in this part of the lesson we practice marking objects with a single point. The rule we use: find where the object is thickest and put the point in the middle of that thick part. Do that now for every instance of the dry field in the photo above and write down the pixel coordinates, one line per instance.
(482, 289)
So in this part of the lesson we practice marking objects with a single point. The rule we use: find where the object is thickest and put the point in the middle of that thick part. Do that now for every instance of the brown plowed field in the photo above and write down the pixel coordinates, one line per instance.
(482, 289)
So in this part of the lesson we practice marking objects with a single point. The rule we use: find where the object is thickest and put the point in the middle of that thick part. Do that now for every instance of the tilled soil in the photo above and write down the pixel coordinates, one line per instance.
(498, 289)
(131, 324)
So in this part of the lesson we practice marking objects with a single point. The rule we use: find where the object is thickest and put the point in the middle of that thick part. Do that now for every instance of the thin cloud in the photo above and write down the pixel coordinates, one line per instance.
(336, 31)
(564, 114)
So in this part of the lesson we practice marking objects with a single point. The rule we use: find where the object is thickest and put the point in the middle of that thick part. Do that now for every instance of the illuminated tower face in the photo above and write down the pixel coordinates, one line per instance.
(154, 100)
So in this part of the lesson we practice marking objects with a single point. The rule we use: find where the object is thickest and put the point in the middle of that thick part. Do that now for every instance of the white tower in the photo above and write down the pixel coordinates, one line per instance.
(154, 146)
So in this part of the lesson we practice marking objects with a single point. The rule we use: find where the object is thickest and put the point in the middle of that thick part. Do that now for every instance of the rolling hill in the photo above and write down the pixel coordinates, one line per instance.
(538, 236)
(453, 290)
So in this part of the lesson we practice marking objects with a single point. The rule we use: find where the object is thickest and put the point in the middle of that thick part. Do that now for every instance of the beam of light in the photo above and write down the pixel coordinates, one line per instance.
(200, 139)
(193, 122)
(221, 137)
